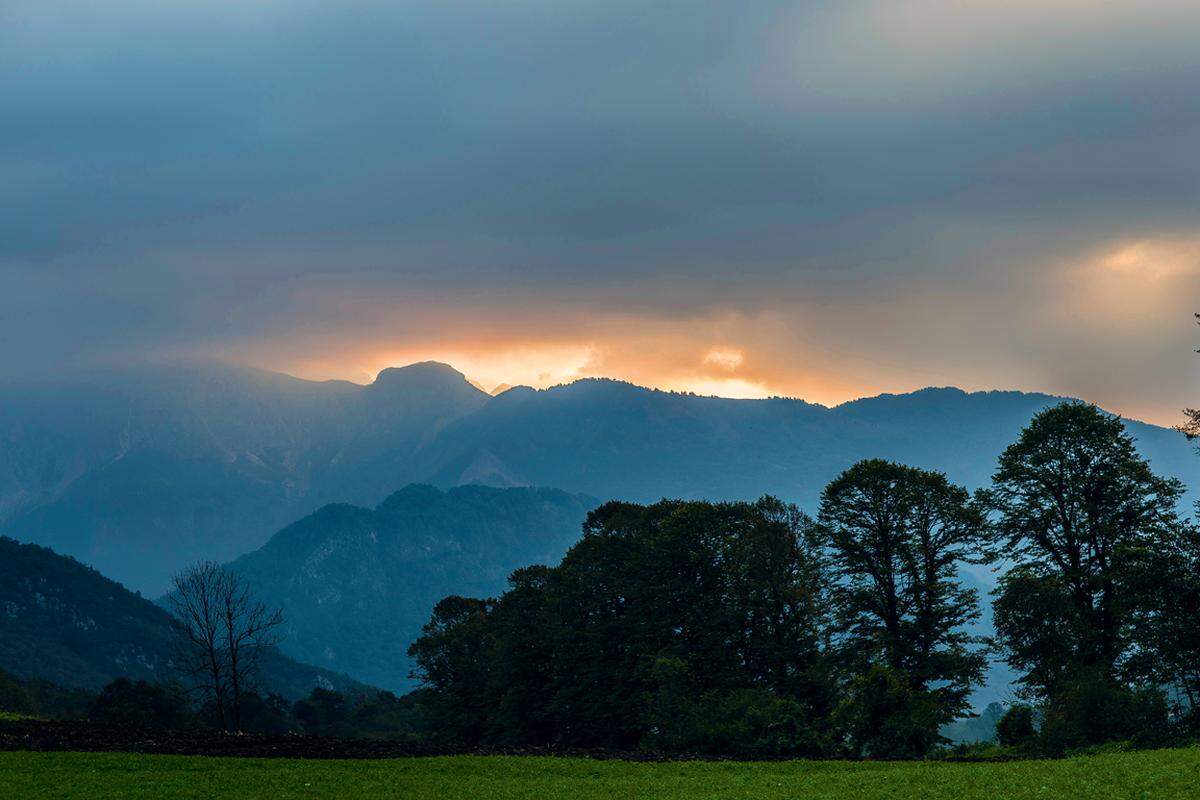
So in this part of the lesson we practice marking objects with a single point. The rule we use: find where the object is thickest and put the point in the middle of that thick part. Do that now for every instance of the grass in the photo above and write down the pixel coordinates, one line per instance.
(101, 776)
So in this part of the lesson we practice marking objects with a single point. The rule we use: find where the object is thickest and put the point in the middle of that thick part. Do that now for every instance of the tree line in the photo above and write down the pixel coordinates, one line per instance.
(753, 629)
(171, 706)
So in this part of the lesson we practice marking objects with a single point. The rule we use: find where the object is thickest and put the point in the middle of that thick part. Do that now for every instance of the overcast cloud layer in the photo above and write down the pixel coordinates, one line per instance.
(816, 199)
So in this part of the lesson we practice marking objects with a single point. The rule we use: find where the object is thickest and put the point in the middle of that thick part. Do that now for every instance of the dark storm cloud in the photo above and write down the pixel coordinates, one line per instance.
(205, 172)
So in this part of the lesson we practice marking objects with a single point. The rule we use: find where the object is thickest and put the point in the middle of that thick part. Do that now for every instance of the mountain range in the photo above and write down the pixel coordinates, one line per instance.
(139, 471)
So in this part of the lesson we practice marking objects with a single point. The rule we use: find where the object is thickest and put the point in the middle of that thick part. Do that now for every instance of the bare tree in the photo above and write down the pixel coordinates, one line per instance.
(249, 627)
(222, 631)
(199, 652)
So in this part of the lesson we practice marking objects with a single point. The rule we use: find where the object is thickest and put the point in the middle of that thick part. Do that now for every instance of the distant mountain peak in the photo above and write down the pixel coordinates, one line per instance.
(421, 372)
(424, 381)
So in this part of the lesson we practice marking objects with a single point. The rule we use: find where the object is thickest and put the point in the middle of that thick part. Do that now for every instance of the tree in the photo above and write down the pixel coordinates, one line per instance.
(679, 625)
(222, 631)
(897, 536)
(1191, 424)
(1039, 629)
(1073, 500)
(323, 713)
(199, 655)
(1016, 726)
(1164, 580)
(16, 697)
(453, 658)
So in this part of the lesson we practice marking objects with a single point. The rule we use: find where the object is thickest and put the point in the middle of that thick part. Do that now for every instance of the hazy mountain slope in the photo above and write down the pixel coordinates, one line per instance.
(138, 472)
(616, 440)
(63, 622)
(356, 584)
(613, 439)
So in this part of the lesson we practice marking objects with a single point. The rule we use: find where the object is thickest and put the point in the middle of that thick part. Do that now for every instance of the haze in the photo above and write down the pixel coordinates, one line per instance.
(744, 199)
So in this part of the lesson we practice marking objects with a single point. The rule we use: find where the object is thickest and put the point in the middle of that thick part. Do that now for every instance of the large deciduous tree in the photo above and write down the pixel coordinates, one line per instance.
(1074, 501)
(897, 537)
(1164, 580)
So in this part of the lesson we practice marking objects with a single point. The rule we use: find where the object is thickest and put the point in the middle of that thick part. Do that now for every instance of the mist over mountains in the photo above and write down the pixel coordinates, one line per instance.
(137, 472)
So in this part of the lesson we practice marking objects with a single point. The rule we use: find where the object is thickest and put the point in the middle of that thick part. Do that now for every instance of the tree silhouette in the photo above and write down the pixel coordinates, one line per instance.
(1074, 499)
(222, 631)
(897, 535)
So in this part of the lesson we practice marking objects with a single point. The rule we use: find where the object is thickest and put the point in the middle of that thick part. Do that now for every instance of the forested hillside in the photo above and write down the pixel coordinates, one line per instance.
(356, 584)
(65, 623)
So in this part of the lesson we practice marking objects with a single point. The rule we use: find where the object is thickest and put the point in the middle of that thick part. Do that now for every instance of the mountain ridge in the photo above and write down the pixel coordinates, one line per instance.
(137, 472)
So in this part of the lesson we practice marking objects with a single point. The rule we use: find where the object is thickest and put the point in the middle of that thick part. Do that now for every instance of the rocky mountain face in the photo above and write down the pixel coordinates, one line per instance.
(141, 471)
(356, 584)
(65, 623)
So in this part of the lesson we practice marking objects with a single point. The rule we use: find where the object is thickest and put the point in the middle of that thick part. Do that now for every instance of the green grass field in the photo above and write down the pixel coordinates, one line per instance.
(32, 776)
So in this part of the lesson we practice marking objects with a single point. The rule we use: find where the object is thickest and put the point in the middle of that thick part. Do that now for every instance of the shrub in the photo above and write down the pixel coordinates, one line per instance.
(268, 714)
(141, 704)
(1092, 710)
(15, 697)
(884, 718)
(323, 713)
(1016, 726)
(742, 722)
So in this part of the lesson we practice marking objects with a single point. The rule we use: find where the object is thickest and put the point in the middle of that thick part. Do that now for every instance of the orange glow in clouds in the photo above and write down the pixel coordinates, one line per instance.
(536, 365)
(1129, 301)
(545, 365)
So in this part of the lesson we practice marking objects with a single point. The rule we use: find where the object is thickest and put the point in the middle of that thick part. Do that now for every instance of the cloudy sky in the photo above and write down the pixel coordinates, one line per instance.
(817, 199)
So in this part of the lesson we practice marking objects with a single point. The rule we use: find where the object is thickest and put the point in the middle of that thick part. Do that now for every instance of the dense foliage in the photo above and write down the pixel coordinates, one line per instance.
(1100, 609)
(37, 698)
(727, 627)
(169, 706)
(681, 625)
(749, 628)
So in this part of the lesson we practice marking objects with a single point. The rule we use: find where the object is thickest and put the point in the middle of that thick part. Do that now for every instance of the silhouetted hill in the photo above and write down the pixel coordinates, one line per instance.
(141, 471)
(356, 584)
(65, 623)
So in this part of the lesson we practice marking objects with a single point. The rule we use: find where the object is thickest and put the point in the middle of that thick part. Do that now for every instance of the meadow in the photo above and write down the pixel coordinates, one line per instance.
(1166, 774)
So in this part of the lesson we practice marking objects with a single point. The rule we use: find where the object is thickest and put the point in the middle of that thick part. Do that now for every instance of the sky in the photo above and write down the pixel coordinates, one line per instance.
(823, 200)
